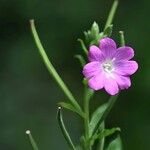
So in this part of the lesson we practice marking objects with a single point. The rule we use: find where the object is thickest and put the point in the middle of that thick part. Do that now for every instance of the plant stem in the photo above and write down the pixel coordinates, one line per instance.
(63, 129)
(87, 96)
(32, 141)
(100, 145)
(111, 14)
(52, 70)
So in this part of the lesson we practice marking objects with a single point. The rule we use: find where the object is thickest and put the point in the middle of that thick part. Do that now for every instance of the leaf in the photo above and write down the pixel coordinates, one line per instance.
(115, 144)
(108, 31)
(107, 132)
(67, 106)
(96, 117)
(81, 59)
(79, 148)
(106, 111)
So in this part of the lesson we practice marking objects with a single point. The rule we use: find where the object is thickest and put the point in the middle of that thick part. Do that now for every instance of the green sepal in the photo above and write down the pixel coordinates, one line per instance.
(94, 30)
(83, 46)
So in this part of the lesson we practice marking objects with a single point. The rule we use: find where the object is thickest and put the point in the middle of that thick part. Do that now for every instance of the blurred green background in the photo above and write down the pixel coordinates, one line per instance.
(28, 95)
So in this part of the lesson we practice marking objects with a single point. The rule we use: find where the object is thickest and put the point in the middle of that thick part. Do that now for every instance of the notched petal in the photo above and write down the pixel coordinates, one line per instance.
(91, 69)
(108, 47)
(124, 53)
(95, 54)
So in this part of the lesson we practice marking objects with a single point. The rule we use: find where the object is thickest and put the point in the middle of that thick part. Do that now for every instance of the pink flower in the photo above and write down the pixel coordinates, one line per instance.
(110, 67)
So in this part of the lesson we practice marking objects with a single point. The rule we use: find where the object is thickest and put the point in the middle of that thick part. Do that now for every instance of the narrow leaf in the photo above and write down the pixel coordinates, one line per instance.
(96, 116)
(32, 141)
(107, 132)
(67, 106)
(115, 144)
(63, 129)
(110, 104)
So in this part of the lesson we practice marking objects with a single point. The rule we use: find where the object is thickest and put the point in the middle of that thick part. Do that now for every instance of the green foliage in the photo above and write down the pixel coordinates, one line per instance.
(115, 144)
(67, 106)
(110, 104)
(96, 116)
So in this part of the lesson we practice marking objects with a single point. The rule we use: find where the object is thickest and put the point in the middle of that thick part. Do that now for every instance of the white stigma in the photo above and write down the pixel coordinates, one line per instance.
(108, 66)
(28, 132)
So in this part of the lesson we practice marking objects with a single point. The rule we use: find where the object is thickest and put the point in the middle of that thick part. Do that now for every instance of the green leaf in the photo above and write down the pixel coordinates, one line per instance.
(110, 104)
(63, 129)
(67, 106)
(107, 132)
(108, 31)
(79, 148)
(81, 59)
(96, 116)
(115, 144)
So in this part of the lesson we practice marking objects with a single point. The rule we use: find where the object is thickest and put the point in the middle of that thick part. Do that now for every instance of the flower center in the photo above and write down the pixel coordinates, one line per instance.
(108, 67)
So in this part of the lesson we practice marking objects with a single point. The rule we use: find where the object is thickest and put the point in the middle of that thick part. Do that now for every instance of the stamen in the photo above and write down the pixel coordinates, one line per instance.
(108, 67)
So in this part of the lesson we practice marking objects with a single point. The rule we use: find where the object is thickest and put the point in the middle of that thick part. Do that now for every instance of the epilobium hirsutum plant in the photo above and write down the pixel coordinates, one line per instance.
(109, 67)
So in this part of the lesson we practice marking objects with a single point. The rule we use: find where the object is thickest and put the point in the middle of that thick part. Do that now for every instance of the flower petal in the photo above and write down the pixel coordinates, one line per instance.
(108, 47)
(124, 53)
(95, 54)
(126, 67)
(97, 82)
(91, 69)
(111, 86)
(123, 82)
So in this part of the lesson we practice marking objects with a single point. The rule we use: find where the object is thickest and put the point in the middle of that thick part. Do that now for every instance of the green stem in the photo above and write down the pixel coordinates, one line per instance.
(102, 141)
(63, 129)
(52, 70)
(87, 96)
(32, 141)
(111, 14)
